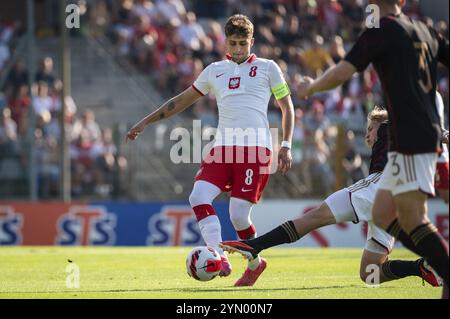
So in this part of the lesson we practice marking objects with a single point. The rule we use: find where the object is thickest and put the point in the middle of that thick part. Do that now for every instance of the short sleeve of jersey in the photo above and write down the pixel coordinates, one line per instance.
(278, 85)
(202, 84)
(367, 48)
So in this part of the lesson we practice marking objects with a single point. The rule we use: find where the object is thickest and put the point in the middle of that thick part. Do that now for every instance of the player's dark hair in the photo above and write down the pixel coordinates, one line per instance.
(378, 114)
(239, 25)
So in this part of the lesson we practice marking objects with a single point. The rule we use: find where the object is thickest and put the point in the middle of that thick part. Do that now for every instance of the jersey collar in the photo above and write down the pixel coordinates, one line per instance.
(395, 15)
(249, 60)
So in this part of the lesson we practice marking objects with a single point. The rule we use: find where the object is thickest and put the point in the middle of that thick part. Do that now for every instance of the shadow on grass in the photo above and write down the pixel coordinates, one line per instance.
(192, 290)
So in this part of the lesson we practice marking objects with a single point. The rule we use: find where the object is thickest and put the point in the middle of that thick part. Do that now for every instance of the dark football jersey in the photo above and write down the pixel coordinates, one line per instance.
(378, 158)
(405, 54)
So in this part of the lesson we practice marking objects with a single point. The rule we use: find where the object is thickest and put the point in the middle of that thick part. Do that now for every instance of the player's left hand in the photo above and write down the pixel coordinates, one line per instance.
(284, 160)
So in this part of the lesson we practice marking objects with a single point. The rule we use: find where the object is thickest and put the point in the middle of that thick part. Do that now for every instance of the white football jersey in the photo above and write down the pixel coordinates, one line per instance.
(243, 92)
(444, 158)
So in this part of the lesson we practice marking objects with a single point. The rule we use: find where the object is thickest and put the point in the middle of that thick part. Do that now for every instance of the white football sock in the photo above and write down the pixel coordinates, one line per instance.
(253, 264)
(212, 232)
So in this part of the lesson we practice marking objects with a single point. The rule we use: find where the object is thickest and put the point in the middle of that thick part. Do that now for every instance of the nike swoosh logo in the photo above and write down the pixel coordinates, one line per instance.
(219, 75)
(246, 190)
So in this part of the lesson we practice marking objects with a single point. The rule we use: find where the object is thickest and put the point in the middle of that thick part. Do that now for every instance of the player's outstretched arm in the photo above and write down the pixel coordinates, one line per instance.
(332, 78)
(173, 106)
(284, 155)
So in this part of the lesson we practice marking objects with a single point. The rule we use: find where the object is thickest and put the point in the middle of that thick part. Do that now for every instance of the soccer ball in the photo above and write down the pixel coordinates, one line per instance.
(203, 263)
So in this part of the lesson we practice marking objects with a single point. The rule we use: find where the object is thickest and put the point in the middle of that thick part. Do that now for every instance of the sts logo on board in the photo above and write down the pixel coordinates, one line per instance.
(10, 226)
(86, 225)
(174, 226)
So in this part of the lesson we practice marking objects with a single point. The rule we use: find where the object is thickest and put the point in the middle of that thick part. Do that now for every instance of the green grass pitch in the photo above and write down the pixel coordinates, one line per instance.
(149, 272)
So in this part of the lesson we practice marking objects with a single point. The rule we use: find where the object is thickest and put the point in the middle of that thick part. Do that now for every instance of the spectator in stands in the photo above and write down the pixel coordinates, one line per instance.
(277, 27)
(144, 41)
(73, 125)
(352, 161)
(300, 163)
(4, 54)
(145, 8)
(171, 11)
(90, 129)
(413, 10)
(298, 138)
(264, 35)
(170, 51)
(122, 12)
(356, 117)
(48, 165)
(191, 32)
(211, 9)
(7, 31)
(330, 15)
(19, 108)
(204, 111)
(317, 154)
(308, 13)
(428, 22)
(122, 30)
(293, 33)
(315, 119)
(188, 70)
(82, 164)
(42, 103)
(16, 78)
(104, 154)
(217, 37)
(317, 58)
(45, 72)
(3, 100)
(354, 17)
(8, 134)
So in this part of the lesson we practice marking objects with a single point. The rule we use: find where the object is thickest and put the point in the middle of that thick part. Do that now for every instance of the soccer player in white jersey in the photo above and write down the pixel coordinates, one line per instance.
(240, 160)
(442, 168)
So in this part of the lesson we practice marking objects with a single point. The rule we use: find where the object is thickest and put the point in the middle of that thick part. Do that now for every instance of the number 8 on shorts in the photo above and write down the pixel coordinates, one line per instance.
(249, 177)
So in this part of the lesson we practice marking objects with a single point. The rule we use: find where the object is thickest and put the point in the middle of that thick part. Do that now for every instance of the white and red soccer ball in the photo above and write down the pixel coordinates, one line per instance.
(203, 263)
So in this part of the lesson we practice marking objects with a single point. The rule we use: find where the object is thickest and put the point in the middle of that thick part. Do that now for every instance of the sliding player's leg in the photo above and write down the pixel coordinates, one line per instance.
(335, 209)
(376, 267)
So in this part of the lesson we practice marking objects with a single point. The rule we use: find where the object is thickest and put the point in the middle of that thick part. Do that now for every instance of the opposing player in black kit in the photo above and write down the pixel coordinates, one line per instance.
(405, 53)
(353, 203)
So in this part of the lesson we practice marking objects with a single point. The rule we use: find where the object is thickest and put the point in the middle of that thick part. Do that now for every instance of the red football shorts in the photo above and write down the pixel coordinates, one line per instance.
(240, 169)
(441, 180)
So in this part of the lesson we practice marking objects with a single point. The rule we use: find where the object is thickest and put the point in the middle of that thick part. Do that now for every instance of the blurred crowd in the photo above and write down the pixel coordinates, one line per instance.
(93, 154)
(173, 41)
